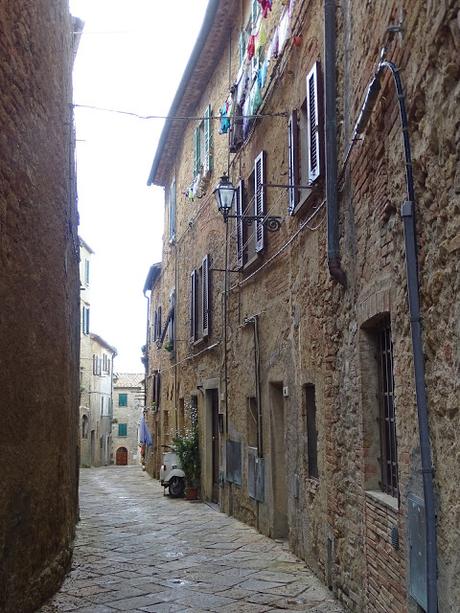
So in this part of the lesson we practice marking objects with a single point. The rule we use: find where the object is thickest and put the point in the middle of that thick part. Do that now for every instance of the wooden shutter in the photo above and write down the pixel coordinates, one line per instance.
(158, 322)
(157, 388)
(155, 325)
(196, 151)
(239, 223)
(207, 125)
(172, 210)
(193, 283)
(313, 128)
(205, 297)
(293, 161)
(259, 199)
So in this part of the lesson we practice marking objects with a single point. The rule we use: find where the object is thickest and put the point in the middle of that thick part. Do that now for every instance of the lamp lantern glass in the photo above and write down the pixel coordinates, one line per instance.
(224, 193)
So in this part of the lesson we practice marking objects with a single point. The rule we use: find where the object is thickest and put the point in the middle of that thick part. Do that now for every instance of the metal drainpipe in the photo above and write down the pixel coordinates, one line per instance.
(330, 95)
(413, 291)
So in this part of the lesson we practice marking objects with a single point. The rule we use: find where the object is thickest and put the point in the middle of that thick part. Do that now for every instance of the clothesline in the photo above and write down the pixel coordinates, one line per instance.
(178, 117)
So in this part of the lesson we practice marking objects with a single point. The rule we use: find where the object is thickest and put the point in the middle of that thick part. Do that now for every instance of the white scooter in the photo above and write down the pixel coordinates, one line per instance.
(171, 474)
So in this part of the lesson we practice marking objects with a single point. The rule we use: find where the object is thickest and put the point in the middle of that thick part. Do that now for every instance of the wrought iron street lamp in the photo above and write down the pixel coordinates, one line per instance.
(224, 193)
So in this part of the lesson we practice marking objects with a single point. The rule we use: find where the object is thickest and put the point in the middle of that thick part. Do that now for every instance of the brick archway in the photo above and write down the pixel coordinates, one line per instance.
(121, 457)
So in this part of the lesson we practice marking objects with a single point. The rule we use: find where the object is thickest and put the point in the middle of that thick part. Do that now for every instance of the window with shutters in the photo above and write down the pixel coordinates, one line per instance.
(86, 272)
(203, 145)
(251, 200)
(85, 320)
(172, 211)
(122, 429)
(305, 137)
(97, 365)
(156, 389)
(122, 400)
(157, 323)
(200, 301)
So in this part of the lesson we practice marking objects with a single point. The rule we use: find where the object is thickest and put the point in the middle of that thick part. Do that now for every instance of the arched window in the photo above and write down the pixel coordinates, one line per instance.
(84, 426)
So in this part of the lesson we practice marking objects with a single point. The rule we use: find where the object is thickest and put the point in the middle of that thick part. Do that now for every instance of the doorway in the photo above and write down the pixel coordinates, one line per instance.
(212, 445)
(121, 457)
(278, 462)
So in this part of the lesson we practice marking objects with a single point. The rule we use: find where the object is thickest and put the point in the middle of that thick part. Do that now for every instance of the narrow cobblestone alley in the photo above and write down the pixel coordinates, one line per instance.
(137, 550)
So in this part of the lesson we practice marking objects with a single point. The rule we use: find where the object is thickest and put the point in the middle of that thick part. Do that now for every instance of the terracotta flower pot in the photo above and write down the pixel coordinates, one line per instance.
(191, 493)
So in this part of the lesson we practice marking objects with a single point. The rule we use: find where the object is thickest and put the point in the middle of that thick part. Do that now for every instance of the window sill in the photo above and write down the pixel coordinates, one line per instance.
(250, 263)
(390, 502)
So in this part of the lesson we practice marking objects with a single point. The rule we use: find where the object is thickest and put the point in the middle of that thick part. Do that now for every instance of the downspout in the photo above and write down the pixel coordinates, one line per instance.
(330, 96)
(413, 291)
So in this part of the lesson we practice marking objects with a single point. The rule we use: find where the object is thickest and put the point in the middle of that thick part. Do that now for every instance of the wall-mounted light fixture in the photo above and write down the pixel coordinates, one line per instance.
(224, 193)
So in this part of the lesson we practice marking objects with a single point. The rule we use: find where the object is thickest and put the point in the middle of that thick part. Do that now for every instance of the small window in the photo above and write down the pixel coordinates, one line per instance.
(122, 400)
(312, 432)
(157, 324)
(122, 429)
(97, 365)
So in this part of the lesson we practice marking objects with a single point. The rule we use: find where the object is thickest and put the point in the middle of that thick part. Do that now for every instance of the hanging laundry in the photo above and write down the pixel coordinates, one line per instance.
(224, 119)
(265, 5)
(272, 52)
(247, 121)
(236, 138)
(251, 46)
(283, 31)
(255, 98)
(262, 73)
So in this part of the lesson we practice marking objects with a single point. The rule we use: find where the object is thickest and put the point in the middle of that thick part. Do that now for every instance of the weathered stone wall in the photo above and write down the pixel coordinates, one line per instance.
(314, 332)
(39, 315)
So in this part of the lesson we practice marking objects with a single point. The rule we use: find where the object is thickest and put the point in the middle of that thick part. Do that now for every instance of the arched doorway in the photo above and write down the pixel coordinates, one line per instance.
(121, 457)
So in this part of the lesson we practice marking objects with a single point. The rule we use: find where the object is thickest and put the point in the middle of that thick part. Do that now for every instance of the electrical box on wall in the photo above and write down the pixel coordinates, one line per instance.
(285, 391)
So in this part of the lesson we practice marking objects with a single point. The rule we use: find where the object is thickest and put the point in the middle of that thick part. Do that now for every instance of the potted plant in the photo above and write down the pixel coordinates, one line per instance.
(186, 446)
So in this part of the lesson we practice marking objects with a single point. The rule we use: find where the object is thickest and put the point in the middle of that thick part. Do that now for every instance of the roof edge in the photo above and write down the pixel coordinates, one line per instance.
(197, 49)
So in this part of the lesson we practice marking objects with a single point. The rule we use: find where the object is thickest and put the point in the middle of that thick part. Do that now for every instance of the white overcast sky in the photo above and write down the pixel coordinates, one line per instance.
(131, 57)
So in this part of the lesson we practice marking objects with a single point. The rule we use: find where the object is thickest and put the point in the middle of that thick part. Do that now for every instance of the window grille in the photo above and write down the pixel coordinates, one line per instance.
(388, 443)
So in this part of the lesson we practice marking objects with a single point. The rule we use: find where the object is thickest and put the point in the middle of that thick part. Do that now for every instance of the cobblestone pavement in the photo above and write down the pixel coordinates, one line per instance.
(137, 550)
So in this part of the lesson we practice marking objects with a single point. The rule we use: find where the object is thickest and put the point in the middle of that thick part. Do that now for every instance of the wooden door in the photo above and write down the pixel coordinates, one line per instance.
(121, 458)
(215, 445)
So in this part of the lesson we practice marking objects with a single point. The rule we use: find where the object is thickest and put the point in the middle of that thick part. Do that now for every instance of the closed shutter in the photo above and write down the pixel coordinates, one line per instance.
(172, 303)
(193, 330)
(94, 365)
(293, 161)
(314, 153)
(259, 198)
(157, 389)
(155, 325)
(207, 140)
(196, 151)
(158, 322)
(205, 298)
(239, 223)
(172, 210)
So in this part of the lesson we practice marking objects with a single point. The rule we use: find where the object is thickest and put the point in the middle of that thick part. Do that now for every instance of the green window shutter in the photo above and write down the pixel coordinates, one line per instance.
(122, 429)
(207, 140)
(122, 400)
(242, 46)
(196, 151)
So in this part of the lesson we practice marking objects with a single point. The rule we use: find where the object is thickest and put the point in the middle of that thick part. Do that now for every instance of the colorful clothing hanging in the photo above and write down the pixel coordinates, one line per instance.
(265, 5)
(251, 46)
(224, 119)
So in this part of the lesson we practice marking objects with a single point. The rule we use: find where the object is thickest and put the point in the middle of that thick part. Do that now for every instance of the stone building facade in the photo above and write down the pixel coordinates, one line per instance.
(96, 378)
(39, 296)
(303, 371)
(128, 402)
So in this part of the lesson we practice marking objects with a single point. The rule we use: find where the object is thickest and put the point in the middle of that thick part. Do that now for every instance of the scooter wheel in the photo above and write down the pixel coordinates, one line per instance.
(176, 487)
